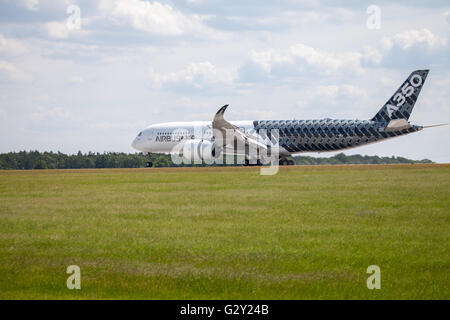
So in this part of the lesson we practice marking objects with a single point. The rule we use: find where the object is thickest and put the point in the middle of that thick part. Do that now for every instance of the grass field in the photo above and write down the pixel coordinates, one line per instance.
(226, 233)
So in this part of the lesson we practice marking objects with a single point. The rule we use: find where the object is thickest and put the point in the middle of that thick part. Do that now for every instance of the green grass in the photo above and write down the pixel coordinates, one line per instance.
(228, 233)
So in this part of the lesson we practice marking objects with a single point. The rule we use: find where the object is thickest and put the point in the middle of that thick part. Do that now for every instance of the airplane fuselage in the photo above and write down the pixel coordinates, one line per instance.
(295, 136)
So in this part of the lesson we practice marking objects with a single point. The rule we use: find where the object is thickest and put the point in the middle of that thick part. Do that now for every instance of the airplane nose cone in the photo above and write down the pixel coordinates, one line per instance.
(134, 144)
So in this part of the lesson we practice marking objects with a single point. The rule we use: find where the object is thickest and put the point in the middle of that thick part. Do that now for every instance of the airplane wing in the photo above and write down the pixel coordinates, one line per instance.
(227, 130)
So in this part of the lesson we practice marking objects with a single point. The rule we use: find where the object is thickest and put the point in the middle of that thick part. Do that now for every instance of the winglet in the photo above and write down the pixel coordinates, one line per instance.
(219, 114)
(219, 122)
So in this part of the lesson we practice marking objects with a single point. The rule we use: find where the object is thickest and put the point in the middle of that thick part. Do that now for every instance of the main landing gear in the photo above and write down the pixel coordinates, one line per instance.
(148, 164)
(286, 162)
(247, 163)
(282, 162)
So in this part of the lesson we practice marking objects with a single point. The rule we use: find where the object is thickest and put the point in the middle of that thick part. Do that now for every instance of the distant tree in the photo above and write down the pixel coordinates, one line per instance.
(341, 158)
(40, 164)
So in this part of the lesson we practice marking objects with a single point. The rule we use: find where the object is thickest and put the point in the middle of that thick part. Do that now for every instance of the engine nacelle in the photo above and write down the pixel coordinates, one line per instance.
(200, 150)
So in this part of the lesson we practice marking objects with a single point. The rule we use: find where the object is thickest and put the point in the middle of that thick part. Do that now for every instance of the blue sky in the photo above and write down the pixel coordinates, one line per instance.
(133, 63)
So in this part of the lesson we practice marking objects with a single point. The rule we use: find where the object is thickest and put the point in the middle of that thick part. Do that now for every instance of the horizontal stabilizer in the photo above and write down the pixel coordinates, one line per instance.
(396, 125)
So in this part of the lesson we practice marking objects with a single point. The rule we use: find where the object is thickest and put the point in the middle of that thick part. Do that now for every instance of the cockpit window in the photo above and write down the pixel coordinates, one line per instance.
(140, 134)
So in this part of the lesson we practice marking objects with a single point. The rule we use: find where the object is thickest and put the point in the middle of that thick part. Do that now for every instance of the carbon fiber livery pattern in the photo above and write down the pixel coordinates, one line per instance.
(327, 134)
(415, 81)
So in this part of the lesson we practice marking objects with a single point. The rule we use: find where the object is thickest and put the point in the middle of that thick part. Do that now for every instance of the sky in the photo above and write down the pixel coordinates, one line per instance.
(90, 74)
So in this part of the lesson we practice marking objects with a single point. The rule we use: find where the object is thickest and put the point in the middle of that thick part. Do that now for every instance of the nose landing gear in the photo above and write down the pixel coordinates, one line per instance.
(148, 164)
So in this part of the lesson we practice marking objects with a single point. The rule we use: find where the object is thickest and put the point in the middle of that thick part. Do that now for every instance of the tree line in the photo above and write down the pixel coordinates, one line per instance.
(341, 158)
(56, 160)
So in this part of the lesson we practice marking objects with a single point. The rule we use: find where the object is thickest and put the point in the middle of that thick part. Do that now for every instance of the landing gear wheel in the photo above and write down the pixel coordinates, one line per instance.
(148, 164)
(283, 162)
(291, 162)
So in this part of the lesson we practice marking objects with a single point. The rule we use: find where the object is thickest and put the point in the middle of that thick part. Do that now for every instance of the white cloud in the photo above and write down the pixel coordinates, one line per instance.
(11, 46)
(388, 82)
(45, 113)
(331, 93)
(111, 59)
(372, 55)
(411, 38)
(122, 125)
(76, 80)
(57, 30)
(3, 113)
(298, 59)
(195, 75)
(326, 92)
(32, 5)
(105, 125)
(419, 45)
(9, 72)
(447, 16)
(351, 91)
(323, 16)
(325, 61)
(154, 17)
(337, 101)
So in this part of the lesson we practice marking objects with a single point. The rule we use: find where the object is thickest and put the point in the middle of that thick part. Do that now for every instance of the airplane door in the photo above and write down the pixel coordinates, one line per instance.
(151, 134)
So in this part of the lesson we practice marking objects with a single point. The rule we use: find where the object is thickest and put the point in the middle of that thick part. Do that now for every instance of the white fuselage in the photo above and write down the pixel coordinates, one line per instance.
(163, 137)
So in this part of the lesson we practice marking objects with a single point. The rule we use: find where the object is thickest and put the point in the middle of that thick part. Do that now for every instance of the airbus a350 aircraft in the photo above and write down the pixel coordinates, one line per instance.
(199, 142)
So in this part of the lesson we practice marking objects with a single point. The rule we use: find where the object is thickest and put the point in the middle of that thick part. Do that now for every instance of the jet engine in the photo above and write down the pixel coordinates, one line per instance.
(201, 150)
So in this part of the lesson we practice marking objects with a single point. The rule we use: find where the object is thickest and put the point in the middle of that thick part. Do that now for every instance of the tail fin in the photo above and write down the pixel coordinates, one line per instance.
(400, 105)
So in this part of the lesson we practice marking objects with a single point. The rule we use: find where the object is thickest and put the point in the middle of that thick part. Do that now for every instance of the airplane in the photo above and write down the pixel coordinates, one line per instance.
(198, 139)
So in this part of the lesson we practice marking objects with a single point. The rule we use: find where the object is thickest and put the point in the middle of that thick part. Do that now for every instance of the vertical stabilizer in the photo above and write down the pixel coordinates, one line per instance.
(400, 105)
